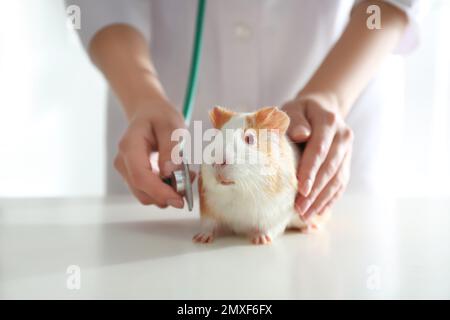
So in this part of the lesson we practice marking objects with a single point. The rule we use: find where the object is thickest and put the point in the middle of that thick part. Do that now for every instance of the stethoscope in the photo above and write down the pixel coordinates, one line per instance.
(180, 179)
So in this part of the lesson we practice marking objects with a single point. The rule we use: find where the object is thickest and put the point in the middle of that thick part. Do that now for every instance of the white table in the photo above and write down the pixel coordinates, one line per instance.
(372, 248)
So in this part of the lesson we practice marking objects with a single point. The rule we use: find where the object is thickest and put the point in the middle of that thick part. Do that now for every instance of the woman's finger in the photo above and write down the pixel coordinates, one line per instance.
(140, 175)
(299, 128)
(163, 136)
(316, 150)
(340, 146)
(144, 198)
(334, 186)
(142, 178)
(332, 201)
(324, 197)
(141, 196)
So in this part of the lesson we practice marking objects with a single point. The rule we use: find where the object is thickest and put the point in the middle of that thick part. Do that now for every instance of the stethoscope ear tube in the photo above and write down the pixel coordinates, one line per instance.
(192, 82)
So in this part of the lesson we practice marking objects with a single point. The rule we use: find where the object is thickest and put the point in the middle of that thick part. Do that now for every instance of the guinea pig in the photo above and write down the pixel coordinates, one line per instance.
(250, 188)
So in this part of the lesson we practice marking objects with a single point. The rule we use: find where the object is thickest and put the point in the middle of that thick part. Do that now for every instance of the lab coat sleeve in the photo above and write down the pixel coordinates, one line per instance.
(97, 14)
(414, 10)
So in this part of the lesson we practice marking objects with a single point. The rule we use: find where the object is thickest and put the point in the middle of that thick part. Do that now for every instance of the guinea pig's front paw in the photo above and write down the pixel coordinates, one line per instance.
(261, 238)
(204, 237)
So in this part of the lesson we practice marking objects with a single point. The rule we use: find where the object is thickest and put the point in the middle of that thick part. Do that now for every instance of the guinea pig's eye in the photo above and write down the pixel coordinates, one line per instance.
(250, 137)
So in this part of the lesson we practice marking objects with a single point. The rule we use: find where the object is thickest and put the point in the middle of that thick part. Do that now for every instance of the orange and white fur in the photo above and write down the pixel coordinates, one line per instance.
(253, 199)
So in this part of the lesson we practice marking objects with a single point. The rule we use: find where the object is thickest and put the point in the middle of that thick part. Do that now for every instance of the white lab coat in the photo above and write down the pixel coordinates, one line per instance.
(256, 53)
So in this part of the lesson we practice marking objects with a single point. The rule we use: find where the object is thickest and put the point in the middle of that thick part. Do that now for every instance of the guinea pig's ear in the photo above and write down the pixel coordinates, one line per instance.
(219, 116)
(272, 118)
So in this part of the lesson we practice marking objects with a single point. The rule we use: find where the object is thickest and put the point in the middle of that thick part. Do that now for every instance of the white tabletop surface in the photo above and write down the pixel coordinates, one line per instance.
(371, 248)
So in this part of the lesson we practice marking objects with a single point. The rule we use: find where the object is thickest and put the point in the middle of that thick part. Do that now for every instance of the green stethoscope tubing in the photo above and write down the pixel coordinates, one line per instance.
(192, 82)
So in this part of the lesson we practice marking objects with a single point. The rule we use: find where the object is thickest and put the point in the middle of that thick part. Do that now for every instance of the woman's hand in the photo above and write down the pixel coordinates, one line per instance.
(316, 117)
(324, 167)
(122, 54)
(149, 130)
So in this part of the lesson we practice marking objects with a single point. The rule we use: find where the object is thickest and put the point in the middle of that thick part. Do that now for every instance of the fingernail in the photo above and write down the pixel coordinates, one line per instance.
(304, 206)
(310, 214)
(176, 203)
(305, 217)
(168, 168)
(301, 131)
(306, 187)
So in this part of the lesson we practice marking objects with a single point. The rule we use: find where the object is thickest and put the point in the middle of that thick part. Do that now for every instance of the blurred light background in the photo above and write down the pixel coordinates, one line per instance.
(52, 114)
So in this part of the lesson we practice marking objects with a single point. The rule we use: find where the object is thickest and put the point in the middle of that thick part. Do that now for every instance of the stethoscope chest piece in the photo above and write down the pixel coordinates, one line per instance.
(180, 181)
